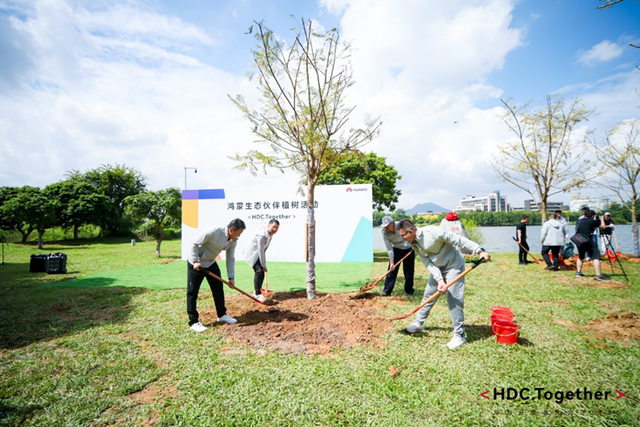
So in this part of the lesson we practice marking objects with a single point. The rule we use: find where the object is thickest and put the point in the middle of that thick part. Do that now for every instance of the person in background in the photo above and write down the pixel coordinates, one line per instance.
(256, 255)
(552, 237)
(397, 248)
(563, 222)
(439, 251)
(594, 236)
(586, 228)
(204, 250)
(452, 223)
(521, 237)
(605, 235)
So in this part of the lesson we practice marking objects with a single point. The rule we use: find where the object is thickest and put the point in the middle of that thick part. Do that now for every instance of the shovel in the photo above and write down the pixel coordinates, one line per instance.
(434, 296)
(366, 288)
(231, 286)
(266, 292)
(535, 259)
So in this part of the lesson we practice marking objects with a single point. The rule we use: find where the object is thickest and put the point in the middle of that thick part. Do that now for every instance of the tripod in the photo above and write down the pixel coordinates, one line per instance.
(608, 247)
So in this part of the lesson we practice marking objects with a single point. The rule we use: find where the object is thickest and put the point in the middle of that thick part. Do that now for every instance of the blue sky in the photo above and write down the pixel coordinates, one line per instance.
(145, 83)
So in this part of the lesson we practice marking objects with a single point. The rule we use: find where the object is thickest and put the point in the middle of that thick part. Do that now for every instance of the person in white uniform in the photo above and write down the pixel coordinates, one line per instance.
(256, 255)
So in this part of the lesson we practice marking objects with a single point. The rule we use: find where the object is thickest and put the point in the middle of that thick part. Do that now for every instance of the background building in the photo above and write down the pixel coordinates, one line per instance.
(490, 203)
(532, 205)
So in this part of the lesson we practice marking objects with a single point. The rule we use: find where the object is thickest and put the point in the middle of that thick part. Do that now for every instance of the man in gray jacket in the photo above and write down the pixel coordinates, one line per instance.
(440, 253)
(204, 250)
(552, 237)
(256, 255)
(397, 248)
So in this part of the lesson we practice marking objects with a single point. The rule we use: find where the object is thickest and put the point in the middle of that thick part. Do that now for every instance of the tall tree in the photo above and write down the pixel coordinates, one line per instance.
(156, 210)
(618, 153)
(78, 203)
(117, 183)
(358, 168)
(26, 209)
(303, 114)
(544, 159)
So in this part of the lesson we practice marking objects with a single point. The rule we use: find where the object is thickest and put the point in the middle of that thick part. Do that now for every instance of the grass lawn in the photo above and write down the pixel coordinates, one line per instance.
(282, 276)
(111, 354)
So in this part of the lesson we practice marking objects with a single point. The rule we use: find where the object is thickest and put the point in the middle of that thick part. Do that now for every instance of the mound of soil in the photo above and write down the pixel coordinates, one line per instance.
(297, 325)
(616, 326)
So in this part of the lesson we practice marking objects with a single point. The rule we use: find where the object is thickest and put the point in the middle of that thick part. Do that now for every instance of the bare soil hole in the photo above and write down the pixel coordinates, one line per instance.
(300, 326)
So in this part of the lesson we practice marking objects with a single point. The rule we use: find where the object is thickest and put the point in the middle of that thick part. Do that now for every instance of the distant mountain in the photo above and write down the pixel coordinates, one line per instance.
(426, 207)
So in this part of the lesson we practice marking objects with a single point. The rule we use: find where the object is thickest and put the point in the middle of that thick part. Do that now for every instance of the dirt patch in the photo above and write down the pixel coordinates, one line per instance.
(616, 326)
(297, 325)
(169, 260)
(630, 258)
(590, 282)
(154, 392)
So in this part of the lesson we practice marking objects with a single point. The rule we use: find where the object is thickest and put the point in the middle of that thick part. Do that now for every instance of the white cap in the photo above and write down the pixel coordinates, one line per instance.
(607, 213)
(386, 220)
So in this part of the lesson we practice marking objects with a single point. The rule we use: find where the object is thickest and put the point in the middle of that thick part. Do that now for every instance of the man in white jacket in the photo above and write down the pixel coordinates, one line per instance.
(439, 251)
(256, 255)
(204, 250)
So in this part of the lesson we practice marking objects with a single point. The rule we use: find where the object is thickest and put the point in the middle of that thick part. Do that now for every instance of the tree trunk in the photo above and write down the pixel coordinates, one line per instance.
(159, 242)
(75, 232)
(311, 242)
(40, 240)
(543, 209)
(25, 235)
(634, 230)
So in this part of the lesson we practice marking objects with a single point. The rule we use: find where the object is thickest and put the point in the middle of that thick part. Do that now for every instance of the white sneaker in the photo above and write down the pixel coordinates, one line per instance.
(197, 327)
(227, 319)
(414, 327)
(259, 297)
(456, 342)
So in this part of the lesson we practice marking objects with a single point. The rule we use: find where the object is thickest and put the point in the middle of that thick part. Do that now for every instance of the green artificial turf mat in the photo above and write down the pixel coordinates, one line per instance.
(281, 276)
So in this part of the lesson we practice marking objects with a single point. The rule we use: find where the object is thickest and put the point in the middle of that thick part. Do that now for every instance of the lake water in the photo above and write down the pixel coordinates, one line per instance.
(500, 239)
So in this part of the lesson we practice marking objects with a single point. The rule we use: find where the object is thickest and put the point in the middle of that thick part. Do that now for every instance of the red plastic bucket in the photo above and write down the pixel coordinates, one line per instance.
(502, 313)
(501, 319)
(506, 333)
(501, 310)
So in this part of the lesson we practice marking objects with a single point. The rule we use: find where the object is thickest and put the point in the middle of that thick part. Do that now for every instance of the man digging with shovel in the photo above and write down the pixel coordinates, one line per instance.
(202, 259)
(438, 250)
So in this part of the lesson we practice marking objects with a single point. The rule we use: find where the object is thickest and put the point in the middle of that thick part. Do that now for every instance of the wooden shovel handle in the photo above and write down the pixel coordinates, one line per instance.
(366, 288)
(215, 276)
(536, 259)
(438, 293)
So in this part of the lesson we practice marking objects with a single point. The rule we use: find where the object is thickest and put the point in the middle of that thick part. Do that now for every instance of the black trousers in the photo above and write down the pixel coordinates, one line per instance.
(522, 255)
(194, 280)
(258, 277)
(555, 252)
(408, 267)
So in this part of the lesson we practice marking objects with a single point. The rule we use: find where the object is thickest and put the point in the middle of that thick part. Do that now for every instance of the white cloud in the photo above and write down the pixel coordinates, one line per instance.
(602, 52)
(106, 92)
(124, 84)
(421, 67)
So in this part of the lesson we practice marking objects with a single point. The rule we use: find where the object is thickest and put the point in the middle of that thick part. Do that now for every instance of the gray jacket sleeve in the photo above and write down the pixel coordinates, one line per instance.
(231, 260)
(387, 244)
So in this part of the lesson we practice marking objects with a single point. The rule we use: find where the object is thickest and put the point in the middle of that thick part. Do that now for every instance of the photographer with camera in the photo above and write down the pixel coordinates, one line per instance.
(583, 239)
